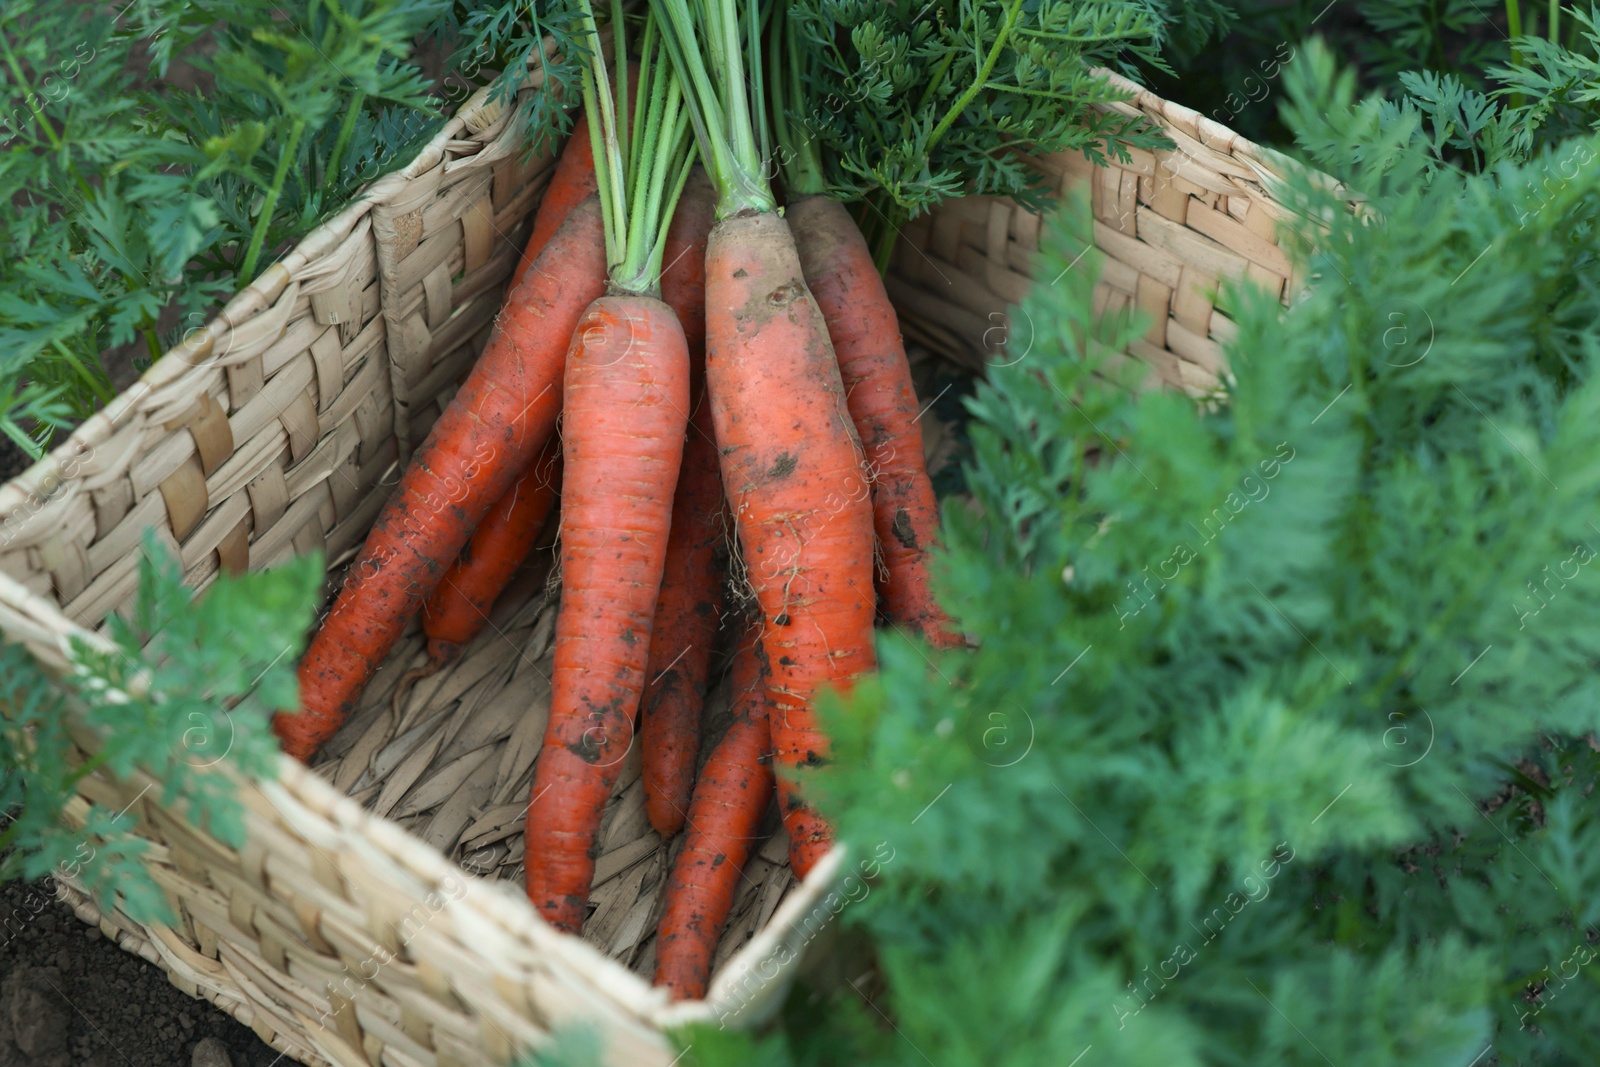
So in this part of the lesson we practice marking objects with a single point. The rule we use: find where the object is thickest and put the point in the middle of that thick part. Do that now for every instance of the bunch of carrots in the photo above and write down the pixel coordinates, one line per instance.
(710, 358)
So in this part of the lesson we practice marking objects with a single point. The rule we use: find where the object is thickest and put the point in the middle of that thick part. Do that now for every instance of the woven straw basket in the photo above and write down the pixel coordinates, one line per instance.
(375, 913)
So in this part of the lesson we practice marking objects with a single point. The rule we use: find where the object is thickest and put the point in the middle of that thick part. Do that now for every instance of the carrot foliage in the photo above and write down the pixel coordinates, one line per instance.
(1278, 744)
(912, 104)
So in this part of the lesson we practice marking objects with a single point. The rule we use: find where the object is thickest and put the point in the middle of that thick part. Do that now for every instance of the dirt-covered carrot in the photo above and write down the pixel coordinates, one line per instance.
(627, 398)
(689, 609)
(883, 405)
(684, 635)
(792, 465)
(459, 609)
(734, 790)
(865, 331)
(683, 264)
(502, 414)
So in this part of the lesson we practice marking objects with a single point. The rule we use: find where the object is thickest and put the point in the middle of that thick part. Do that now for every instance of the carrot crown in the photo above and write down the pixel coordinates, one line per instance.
(729, 120)
(642, 160)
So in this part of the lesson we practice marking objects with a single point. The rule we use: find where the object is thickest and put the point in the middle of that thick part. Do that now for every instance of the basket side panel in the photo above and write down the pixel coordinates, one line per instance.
(1171, 227)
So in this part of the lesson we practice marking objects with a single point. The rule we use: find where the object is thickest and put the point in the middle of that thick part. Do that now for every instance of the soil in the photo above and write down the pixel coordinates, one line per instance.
(71, 998)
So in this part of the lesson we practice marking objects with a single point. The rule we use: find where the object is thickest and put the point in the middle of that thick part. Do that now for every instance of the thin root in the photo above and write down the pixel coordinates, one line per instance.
(409, 679)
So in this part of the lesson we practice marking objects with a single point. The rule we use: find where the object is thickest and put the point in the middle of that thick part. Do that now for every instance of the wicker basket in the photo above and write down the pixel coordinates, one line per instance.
(348, 929)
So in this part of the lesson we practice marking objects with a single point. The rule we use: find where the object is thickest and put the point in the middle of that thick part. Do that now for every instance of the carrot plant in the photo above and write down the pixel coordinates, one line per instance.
(137, 206)
(916, 103)
(626, 410)
(768, 350)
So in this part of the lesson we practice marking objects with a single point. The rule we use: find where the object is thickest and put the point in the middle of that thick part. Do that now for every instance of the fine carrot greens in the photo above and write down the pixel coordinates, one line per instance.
(627, 402)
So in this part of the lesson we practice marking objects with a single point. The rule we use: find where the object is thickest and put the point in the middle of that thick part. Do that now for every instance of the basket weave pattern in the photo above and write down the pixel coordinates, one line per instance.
(277, 429)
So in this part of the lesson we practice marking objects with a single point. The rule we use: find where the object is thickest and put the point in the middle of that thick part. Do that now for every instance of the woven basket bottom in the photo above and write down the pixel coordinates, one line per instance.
(455, 765)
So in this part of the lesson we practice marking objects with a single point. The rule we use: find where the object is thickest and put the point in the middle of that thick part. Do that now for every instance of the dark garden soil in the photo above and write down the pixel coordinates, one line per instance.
(71, 998)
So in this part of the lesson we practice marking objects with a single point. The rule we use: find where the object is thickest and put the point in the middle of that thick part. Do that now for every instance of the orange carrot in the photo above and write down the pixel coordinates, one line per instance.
(627, 395)
(683, 274)
(883, 405)
(684, 634)
(792, 468)
(572, 183)
(459, 608)
(503, 413)
(724, 819)
(689, 610)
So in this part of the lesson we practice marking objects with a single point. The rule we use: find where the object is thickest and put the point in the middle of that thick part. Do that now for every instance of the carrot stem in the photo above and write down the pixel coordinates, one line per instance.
(721, 117)
(979, 79)
(641, 163)
(258, 235)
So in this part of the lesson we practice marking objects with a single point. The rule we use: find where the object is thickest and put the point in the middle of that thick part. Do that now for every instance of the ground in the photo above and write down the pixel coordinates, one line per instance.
(71, 998)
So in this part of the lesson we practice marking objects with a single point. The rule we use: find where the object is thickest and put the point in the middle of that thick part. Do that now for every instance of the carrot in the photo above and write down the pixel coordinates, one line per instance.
(627, 396)
(689, 609)
(503, 413)
(796, 487)
(883, 405)
(792, 465)
(627, 391)
(571, 184)
(459, 608)
(724, 819)
(683, 276)
(684, 634)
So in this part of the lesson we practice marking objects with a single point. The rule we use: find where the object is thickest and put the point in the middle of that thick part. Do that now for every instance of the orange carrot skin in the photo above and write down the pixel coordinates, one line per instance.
(734, 791)
(459, 609)
(683, 272)
(689, 609)
(505, 410)
(793, 472)
(883, 405)
(572, 183)
(684, 635)
(627, 398)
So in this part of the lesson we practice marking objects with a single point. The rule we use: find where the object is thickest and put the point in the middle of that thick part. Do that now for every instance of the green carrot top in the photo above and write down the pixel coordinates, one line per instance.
(729, 118)
(642, 152)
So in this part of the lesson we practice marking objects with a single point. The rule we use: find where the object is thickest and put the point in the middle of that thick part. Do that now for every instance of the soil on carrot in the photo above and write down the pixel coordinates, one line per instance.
(71, 998)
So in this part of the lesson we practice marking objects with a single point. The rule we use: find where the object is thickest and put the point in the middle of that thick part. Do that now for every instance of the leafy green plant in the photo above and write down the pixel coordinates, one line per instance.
(1539, 105)
(911, 105)
(499, 41)
(1274, 749)
(181, 686)
(135, 203)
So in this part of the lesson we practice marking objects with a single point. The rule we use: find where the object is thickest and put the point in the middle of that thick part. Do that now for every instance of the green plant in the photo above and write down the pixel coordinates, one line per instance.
(1540, 104)
(498, 41)
(912, 104)
(136, 204)
(181, 685)
(1274, 748)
